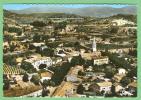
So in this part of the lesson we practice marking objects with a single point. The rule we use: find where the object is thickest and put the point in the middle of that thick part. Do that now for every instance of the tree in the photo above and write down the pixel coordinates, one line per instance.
(133, 53)
(35, 79)
(45, 38)
(50, 22)
(45, 92)
(132, 73)
(8, 38)
(113, 29)
(6, 85)
(45, 83)
(12, 47)
(81, 73)
(52, 83)
(36, 38)
(25, 77)
(6, 82)
(125, 81)
(80, 89)
(113, 90)
(77, 46)
(110, 72)
(47, 52)
(54, 34)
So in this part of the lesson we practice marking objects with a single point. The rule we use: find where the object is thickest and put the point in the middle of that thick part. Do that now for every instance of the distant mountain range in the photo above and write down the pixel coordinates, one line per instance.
(86, 11)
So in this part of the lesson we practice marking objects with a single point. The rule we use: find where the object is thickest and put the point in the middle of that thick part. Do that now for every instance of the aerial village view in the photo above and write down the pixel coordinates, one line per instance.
(65, 50)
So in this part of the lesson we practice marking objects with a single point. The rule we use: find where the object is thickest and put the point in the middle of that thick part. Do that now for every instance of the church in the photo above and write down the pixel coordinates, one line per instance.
(97, 58)
(95, 55)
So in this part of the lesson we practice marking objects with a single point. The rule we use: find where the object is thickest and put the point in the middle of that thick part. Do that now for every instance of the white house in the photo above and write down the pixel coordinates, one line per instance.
(121, 71)
(46, 75)
(101, 86)
(38, 44)
(56, 60)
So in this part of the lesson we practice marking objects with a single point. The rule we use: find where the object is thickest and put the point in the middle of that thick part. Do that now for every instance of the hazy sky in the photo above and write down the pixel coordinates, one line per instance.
(24, 6)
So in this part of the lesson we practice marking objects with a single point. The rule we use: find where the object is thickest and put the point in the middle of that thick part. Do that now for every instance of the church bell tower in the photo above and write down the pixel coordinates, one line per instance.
(94, 45)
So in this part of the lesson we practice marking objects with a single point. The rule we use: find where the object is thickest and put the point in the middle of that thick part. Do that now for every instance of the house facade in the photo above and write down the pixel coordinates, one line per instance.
(101, 60)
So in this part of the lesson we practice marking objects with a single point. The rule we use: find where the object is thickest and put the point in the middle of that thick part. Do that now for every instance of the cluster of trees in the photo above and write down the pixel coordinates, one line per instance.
(77, 46)
(47, 52)
(40, 37)
(80, 89)
(133, 53)
(8, 38)
(119, 62)
(6, 82)
(60, 72)
(15, 30)
(25, 77)
(113, 29)
(38, 24)
(77, 60)
(35, 79)
(60, 25)
(45, 92)
(10, 60)
(81, 29)
(28, 67)
(132, 73)
(110, 72)
(125, 81)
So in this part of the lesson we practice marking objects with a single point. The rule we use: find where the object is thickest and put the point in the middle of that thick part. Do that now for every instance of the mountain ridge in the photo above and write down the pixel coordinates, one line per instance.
(86, 11)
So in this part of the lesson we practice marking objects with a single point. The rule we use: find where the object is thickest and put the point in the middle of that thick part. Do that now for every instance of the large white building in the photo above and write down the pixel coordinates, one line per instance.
(121, 22)
(101, 60)
(38, 61)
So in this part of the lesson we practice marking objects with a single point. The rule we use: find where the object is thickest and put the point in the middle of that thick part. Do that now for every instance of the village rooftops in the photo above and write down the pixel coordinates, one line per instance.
(118, 77)
(73, 53)
(100, 57)
(38, 44)
(74, 70)
(32, 60)
(34, 56)
(87, 56)
(19, 59)
(93, 55)
(133, 84)
(104, 84)
(64, 89)
(46, 75)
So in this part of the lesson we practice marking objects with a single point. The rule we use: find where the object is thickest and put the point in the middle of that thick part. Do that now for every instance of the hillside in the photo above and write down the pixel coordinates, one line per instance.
(92, 11)
(130, 17)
